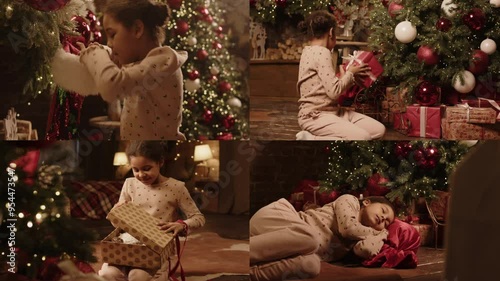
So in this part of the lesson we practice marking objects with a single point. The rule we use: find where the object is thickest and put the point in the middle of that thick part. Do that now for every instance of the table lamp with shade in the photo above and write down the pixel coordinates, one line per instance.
(202, 153)
(121, 161)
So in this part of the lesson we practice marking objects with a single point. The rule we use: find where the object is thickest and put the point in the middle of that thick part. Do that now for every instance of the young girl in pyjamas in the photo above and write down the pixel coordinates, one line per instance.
(285, 243)
(161, 197)
(140, 71)
(320, 116)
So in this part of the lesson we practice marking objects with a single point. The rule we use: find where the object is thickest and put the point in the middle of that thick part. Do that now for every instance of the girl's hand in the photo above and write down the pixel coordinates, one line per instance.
(174, 227)
(360, 70)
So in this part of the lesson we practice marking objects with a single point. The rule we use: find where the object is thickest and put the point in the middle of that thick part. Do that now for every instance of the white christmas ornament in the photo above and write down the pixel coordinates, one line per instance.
(192, 41)
(488, 46)
(405, 32)
(468, 143)
(192, 85)
(495, 3)
(234, 102)
(469, 82)
(449, 7)
(214, 70)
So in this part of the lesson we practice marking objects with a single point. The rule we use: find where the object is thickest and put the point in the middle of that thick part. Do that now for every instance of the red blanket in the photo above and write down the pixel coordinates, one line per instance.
(94, 198)
(400, 249)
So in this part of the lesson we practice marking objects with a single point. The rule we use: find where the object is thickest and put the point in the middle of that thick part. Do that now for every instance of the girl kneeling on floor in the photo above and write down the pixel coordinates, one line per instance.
(320, 115)
(285, 243)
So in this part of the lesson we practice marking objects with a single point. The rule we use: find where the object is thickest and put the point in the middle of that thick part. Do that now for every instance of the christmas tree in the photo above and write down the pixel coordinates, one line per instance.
(215, 96)
(427, 45)
(354, 12)
(215, 99)
(37, 228)
(401, 171)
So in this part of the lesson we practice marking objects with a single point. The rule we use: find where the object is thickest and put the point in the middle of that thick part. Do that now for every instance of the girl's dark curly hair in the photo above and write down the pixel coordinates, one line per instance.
(317, 24)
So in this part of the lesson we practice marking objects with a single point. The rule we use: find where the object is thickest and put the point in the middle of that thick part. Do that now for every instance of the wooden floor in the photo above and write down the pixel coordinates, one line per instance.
(275, 118)
(430, 268)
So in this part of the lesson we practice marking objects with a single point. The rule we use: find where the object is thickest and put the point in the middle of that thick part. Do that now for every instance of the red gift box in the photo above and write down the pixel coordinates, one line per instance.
(423, 121)
(364, 57)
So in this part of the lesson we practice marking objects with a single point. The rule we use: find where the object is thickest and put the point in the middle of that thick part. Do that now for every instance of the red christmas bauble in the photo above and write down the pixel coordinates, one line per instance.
(225, 86)
(93, 22)
(83, 29)
(204, 11)
(418, 155)
(394, 9)
(228, 122)
(216, 45)
(218, 29)
(375, 185)
(479, 63)
(427, 93)
(475, 19)
(47, 5)
(432, 153)
(224, 136)
(443, 24)
(427, 55)
(399, 150)
(430, 164)
(208, 116)
(212, 80)
(174, 4)
(97, 36)
(280, 3)
(182, 28)
(207, 18)
(193, 74)
(202, 54)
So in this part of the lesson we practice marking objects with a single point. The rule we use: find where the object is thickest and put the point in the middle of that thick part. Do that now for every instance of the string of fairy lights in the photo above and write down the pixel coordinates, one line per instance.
(266, 10)
(213, 99)
(414, 169)
(50, 183)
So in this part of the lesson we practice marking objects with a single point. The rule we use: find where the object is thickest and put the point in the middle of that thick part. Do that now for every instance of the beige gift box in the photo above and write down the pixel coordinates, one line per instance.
(157, 247)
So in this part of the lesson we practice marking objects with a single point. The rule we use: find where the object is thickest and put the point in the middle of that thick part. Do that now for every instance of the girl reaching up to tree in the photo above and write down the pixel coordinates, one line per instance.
(320, 115)
(139, 70)
(285, 243)
(161, 197)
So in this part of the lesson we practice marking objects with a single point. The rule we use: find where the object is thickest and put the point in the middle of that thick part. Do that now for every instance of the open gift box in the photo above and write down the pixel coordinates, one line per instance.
(157, 248)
